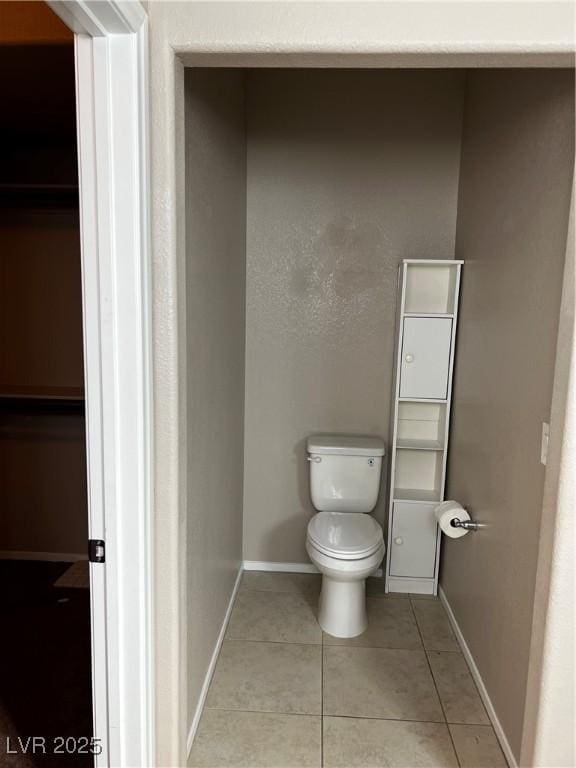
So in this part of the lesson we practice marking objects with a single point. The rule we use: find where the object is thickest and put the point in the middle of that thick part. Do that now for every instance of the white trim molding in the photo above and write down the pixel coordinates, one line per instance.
(275, 567)
(475, 672)
(111, 44)
(212, 666)
(262, 565)
(115, 252)
(100, 18)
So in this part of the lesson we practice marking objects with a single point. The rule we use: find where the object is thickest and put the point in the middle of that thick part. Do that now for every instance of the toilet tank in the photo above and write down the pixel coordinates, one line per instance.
(345, 472)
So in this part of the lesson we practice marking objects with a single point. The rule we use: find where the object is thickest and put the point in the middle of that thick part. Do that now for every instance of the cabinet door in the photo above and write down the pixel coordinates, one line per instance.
(425, 357)
(413, 544)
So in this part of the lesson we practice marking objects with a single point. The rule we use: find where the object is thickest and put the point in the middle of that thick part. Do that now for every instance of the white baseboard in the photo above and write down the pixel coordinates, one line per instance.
(212, 666)
(475, 672)
(263, 565)
(49, 557)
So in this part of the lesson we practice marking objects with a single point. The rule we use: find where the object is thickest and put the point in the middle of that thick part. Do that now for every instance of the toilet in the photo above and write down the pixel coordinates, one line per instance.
(343, 540)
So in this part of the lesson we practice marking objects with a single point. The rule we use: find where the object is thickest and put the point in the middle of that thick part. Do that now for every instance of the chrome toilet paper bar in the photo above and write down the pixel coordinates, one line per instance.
(454, 520)
(469, 525)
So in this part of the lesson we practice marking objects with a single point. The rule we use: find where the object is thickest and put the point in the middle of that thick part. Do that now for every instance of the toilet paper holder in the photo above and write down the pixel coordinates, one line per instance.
(469, 525)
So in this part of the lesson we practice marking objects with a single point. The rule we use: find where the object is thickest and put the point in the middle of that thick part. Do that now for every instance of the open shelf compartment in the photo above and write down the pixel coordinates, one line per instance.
(416, 495)
(421, 426)
(431, 288)
(418, 475)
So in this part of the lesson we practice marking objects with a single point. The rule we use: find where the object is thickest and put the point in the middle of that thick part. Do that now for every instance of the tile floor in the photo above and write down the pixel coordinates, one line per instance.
(286, 695)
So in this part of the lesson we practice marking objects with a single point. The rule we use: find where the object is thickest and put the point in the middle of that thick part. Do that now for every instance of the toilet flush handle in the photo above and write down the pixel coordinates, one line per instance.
(409, 358)
(316, 459)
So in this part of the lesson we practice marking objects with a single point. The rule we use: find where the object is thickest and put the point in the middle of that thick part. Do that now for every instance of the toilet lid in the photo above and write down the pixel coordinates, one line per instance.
(346, 535)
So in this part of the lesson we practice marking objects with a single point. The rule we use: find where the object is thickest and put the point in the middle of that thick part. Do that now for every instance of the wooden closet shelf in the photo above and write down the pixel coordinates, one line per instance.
(41, 393)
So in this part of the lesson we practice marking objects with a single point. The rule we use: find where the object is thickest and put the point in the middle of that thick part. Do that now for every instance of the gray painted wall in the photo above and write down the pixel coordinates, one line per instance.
(516, 176)
(215, 305)
(348, 172)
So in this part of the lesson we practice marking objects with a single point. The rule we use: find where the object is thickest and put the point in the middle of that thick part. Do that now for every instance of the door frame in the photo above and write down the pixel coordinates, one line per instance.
(111, 54)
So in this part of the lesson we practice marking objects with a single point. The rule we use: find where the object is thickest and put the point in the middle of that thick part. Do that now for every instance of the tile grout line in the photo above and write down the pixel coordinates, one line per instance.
(272, 642)
(434, 683)
(334, 645)
(462, 722)
(322, 699)
(335, 717)
(324, 645)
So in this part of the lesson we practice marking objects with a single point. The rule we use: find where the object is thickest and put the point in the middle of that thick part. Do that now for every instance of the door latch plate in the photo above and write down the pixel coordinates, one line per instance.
(96, 550)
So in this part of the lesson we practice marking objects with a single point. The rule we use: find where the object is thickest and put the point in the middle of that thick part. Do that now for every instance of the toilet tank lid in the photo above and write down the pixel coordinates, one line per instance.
(345, 445)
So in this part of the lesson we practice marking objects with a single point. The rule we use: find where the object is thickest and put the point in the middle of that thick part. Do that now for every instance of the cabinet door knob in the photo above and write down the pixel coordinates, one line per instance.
(409, 358)
(398, 540)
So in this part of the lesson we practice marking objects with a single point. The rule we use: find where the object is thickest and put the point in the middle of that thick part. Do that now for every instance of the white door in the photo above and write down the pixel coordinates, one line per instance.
(425, 357)
(413, 550)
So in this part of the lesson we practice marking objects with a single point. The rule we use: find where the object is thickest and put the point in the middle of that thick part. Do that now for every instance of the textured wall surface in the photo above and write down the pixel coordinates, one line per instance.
(516, 177)
(549, 737)
(348, 172)
(215, 302)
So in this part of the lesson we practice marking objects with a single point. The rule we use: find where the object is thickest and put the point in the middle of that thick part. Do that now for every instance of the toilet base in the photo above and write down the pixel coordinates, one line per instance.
(342, 608)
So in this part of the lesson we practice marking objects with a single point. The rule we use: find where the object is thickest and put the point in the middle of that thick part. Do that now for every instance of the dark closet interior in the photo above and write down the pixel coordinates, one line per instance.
(45, 681)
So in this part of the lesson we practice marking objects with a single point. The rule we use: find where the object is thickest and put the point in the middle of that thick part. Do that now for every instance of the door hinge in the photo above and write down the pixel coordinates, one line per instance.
(96, 550)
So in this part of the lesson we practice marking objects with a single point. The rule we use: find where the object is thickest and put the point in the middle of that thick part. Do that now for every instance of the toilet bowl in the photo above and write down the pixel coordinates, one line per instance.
(344, 545)
(344, 567)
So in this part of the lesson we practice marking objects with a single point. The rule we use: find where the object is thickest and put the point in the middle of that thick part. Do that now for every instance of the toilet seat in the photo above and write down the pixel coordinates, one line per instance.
(345, 535)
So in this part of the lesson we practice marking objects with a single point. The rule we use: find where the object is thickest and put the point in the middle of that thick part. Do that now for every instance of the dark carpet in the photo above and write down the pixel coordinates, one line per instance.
(45, 685)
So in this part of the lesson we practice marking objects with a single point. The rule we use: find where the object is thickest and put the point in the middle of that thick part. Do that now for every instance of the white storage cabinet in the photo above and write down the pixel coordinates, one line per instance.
(427, 317)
